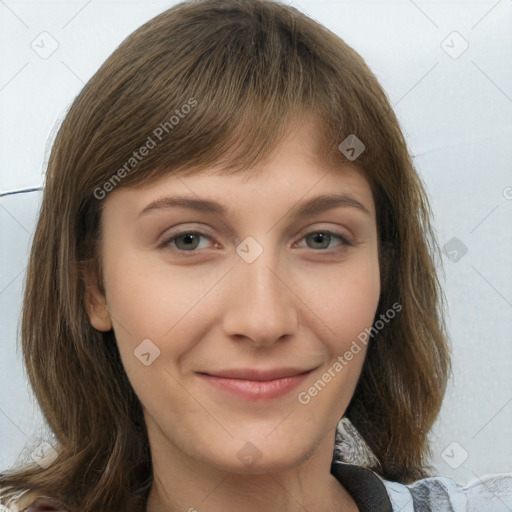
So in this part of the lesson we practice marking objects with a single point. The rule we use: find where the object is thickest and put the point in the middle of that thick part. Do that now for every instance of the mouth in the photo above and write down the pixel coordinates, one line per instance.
(253, 384)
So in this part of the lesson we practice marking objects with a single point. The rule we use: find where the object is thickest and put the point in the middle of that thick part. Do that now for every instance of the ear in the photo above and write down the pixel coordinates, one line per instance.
(96, 304)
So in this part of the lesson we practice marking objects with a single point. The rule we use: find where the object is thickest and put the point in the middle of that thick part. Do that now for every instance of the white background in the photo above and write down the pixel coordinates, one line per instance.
(455, 110)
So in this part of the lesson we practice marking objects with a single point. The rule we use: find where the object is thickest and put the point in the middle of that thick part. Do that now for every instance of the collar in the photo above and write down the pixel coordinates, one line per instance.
(366, 487)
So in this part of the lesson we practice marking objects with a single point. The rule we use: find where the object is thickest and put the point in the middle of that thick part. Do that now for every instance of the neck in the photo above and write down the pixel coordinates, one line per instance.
(181, 483)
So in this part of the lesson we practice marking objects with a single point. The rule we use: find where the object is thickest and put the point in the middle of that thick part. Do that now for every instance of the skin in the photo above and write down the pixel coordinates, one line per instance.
(299, 304)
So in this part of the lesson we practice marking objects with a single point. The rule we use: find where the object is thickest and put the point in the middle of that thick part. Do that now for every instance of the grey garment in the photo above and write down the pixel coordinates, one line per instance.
(489, 493)
(372, 493)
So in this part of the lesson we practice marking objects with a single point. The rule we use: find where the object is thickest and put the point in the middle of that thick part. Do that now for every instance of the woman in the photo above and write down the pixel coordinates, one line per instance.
(234, 253)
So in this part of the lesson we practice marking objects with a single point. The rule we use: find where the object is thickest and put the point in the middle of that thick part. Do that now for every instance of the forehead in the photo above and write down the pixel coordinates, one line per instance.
(293, 171)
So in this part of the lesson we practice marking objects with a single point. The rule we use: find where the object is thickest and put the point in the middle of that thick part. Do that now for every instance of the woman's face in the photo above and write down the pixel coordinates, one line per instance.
(235, 309)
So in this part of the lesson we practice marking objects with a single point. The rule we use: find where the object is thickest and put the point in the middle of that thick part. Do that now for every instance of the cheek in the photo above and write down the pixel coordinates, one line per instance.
(151, 300)
(345, 299)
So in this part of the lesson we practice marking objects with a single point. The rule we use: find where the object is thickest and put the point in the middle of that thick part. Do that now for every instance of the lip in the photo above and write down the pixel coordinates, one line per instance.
(254, 385)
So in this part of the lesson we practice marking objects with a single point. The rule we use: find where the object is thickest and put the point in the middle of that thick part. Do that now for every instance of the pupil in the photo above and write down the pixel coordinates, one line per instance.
(187, 241)
(321, 238)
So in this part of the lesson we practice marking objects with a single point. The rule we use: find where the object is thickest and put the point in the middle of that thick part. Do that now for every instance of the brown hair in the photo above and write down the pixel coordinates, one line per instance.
(249, 70)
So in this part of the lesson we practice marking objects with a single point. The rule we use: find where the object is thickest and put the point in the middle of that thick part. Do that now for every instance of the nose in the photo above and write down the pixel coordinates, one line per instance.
(261, 306)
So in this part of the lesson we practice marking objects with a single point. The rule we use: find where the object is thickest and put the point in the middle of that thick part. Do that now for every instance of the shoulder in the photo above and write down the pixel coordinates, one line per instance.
(443, 494)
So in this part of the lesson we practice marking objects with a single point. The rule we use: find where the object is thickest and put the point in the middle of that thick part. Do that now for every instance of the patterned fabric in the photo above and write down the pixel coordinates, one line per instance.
(352, 448)
(489, 493)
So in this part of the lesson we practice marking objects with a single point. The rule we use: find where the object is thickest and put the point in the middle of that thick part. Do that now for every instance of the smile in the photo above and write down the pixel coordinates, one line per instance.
(255, 385)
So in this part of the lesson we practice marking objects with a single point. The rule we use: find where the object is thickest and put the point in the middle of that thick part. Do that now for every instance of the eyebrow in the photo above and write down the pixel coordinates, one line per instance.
(305, 208)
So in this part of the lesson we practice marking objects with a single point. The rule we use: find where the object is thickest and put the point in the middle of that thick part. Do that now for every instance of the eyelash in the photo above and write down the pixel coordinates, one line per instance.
(345, 242)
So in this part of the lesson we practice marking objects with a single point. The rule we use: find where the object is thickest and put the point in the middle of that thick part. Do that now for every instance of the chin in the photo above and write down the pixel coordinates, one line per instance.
(246, 457)
(275, 463)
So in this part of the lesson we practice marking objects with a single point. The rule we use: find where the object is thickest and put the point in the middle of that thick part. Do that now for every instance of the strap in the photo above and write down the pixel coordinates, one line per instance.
(365, 487)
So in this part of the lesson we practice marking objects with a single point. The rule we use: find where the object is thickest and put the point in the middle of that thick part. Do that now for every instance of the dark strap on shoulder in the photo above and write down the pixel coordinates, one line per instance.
(365, 487)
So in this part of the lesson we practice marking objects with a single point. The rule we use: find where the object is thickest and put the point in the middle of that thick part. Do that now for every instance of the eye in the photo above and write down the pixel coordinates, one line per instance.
(185, 241)
(322, 239)
(190, 241)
